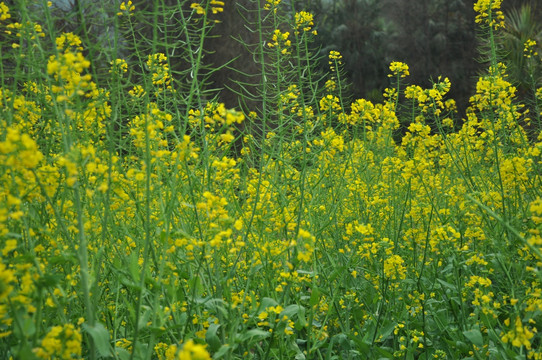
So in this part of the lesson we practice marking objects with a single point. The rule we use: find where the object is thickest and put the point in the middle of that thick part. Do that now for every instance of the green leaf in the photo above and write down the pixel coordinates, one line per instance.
(267, 302)
(195, 284)
(315, 296)
(474, 336)
(336, 273)
(301, 317)
(100, 336)
(122, 354)
(224, 350)
(254, 334)
(25, 352)
(144, 319)
(212, 338)
(47, 281)
(461, 346)
(447, 284)
(299, 354)
(134, 267)
(361, 344)
(29, 328)
(217, 306)
(295, 311)
(290, 311)
(386, 331)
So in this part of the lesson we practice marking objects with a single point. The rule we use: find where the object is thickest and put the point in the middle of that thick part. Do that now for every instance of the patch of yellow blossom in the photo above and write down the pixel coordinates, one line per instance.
(304, 20)
(215, 7)
(335, 59)
(126, 8)
(159, 67)
(519, 335)
(280, 41)
(118, 66)
(188, 351)
(4, 12)
(394, 268)
(489, 13)
(529, 48)
(61, 342)
(399, 69)
(272, 4)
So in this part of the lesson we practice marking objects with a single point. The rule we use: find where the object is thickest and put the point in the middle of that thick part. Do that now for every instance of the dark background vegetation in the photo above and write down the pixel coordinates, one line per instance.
(434, 37)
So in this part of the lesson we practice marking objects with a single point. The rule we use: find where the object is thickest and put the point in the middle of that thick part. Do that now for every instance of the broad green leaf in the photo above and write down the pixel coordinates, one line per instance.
(100, 336)
(223, 351)
(315, 296)
(474, 336)
(212, 338)
(254, 334)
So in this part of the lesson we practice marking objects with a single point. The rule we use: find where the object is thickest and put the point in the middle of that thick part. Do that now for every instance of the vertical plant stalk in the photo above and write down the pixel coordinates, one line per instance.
(82, 251)
(83, 263)
(493, 74)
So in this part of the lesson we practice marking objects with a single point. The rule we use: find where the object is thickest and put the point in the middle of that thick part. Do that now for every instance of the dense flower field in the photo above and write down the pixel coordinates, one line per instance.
(330, 237)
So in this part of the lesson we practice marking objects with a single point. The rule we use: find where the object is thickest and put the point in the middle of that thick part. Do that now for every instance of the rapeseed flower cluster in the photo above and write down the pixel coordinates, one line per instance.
(520, 335)
(199, 9)
(4, 12)
(159, 67)
(187, 351)
(399, 69)
(281, 41)
(529, 49)
(126, 8)
(304, 20)
(272, 5)
(119, 66)
(335, 58)
(214, 6)
(62, 342)
(489, 13)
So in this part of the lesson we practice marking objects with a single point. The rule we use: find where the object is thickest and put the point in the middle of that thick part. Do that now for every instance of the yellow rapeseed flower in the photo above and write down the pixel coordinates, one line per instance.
(7, 277)
(61, 342)
(399, 69)
(118, 66)
(489, 13)
(272, 4)
(518, 336)
(4, 12)
(199, 9)
(217, 6)
(304, 20)
(529, 49)
(394, 268)
(126, 8)
(192, 351)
